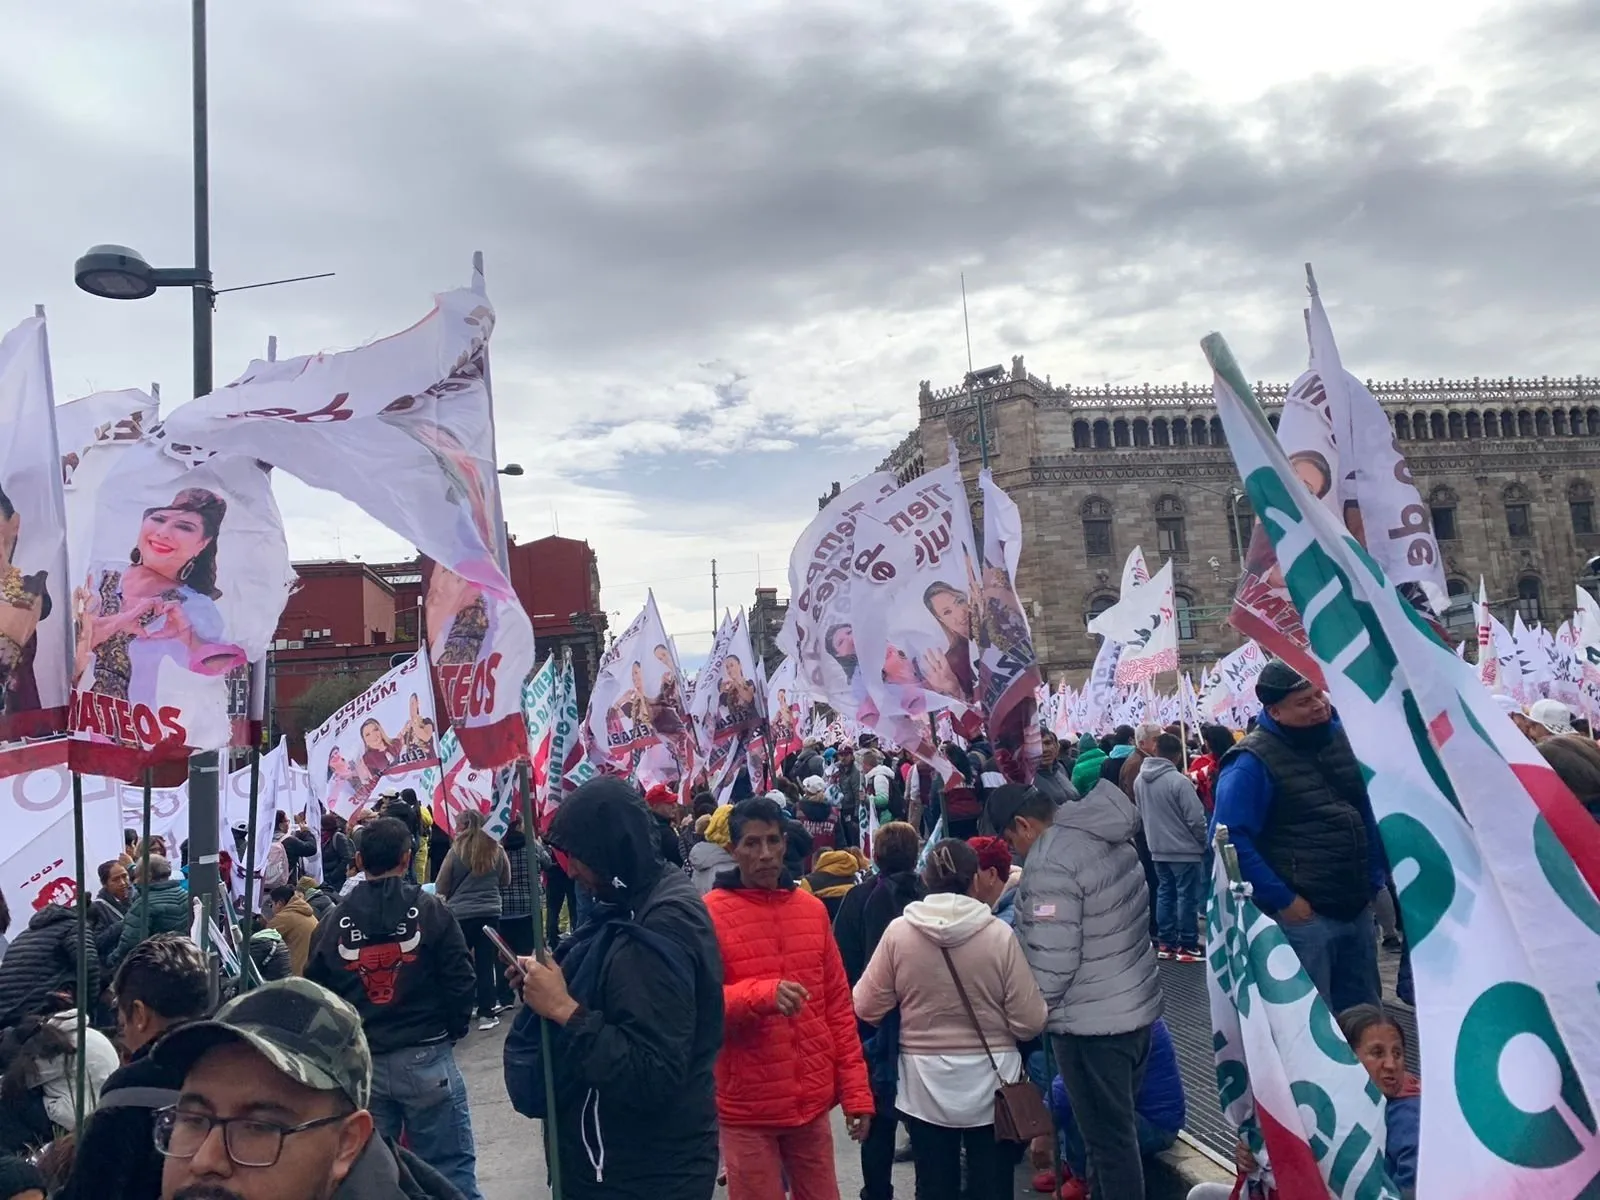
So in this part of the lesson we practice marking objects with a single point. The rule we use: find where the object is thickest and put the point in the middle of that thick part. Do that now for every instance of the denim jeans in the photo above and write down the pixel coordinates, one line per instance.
(1341, 957)
(419, 1091)
(1177, 900)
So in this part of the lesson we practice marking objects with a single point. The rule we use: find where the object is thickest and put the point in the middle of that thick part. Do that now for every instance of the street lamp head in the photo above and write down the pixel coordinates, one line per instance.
(511, 469)
(115, 273)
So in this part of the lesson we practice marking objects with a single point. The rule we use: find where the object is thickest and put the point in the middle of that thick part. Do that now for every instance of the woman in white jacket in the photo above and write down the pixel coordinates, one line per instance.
(950, 1069)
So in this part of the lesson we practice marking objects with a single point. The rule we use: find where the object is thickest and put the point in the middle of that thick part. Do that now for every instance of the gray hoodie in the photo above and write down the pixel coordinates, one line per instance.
(1174, 820)
(1083, 916)
(706, 861)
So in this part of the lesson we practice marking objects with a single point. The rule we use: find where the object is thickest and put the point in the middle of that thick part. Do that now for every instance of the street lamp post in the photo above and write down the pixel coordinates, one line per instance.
(118, 273)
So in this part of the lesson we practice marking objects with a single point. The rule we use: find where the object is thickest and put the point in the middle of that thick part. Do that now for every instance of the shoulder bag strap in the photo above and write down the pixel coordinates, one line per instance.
(971, 1015)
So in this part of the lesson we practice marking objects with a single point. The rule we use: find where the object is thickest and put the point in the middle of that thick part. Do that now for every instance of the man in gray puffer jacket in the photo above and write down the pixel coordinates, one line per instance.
(1083, 915)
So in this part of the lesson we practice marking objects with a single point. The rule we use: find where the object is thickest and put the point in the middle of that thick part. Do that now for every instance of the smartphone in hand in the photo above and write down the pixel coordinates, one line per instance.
(507, 955)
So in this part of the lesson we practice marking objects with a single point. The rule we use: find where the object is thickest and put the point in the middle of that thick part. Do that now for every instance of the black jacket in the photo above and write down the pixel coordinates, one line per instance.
(865, 912)
(106, 915)
(115, 1155)
(671, 851)
(337, 854)
(298, 845)
(635, 1066)
(386, 1171)
(43, 958)
(396, 954)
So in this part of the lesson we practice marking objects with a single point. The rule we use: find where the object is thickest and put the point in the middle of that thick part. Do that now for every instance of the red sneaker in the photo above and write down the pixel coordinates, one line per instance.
(1165, 952)
(1187, 956)
(1074, 1189)
(1044, 1181)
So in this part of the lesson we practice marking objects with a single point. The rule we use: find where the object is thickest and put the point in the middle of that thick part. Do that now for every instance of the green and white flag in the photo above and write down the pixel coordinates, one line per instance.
(1495, 860)
(1287, 1079)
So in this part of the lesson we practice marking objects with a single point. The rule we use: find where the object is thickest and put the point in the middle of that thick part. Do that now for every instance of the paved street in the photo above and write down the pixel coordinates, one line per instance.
(511, 1151)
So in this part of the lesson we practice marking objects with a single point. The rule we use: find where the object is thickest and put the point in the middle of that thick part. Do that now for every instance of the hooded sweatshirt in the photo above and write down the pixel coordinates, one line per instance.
(1083, 917)
(865, 912)
(707, 860)
(909, 971)
(1174, 819)
(1086, 769)
(633, 1067)
(836, 873)
(396, 954)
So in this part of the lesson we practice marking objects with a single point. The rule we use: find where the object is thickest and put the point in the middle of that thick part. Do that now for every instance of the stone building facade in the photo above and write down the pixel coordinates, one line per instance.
(1509, 468)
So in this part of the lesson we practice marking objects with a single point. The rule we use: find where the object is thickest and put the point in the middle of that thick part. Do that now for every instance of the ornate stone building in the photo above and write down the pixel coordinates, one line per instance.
(1507, 466)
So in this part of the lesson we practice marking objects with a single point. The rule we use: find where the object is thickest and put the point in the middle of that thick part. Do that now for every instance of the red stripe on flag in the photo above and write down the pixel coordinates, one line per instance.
(1294, 1167)
(1574, 828)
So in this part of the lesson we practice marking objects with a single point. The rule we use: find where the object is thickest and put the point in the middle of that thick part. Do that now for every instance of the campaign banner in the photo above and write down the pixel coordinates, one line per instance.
(1378, 500)
(35, 612)
(1231, 684)
(727, 707)
(456, 786)
(403, 428)
(788, 711)
(38, 867)
(1008, 666)
(1144, 622)
(381, 741)
(636, 709)
(187, 573)
(169, 811)
(97, 421)
(539, 698)
(819, 632)
(1134, 571)
(569, 767)
(1287, 1081)
(1497, 862)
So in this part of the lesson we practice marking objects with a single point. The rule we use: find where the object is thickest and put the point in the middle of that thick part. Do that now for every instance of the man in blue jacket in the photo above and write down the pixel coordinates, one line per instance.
(1293, 799)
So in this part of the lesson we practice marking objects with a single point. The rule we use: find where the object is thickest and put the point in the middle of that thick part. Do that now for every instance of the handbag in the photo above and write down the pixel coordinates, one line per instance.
(1020, 1114)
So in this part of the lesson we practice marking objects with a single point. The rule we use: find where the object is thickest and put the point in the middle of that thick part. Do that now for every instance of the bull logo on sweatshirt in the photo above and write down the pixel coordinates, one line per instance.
(377, 964)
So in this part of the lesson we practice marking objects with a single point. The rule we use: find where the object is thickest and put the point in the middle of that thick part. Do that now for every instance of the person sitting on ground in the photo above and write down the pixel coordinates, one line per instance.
(41, 962)
(837, 872)
(636, 993)
(290, 914)
(162, 984)
(282, 1076)
(164, 898)
(1159, 1111)
(966, 997)
(1380, 1044)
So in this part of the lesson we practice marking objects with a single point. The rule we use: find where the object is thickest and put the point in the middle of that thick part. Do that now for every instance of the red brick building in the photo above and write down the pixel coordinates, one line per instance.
(355, 618)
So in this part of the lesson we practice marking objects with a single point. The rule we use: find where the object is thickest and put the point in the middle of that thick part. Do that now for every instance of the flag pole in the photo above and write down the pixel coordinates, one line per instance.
(83, 997)
(540, 949)
(246, 974)
(144, 858)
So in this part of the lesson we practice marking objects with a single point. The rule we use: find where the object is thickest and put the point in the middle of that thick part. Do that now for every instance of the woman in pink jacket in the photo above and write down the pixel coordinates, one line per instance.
(952, 1060)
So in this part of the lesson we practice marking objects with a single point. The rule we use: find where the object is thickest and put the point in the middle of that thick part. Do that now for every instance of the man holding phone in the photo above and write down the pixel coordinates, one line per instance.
(636, 995)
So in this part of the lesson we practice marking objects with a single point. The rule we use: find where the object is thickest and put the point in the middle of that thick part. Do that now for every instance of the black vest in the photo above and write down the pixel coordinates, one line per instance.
(1315, 837)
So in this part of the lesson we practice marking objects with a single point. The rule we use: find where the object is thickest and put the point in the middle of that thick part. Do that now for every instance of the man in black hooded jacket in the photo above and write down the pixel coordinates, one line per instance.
(634, 1055)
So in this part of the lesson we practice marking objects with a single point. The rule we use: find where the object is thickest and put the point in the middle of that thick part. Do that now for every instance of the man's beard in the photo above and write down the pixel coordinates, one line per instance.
(206, 1191)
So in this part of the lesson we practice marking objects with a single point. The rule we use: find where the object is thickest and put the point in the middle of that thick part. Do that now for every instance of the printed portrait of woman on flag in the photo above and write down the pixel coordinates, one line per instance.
(161, 608)
(736, 695)
(24, 602)
(949, 672)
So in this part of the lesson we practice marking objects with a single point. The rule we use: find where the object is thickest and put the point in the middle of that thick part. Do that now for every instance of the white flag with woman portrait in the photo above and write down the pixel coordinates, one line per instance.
(403, 427)
(187, 573)
(35, 617)
(637, 716)
(382, 741)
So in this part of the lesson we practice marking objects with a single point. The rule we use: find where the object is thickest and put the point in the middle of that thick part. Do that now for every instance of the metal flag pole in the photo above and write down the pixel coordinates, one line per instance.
(144, 858)
(552, 1142)
(983, 428)
(83, 997)
(247, 970)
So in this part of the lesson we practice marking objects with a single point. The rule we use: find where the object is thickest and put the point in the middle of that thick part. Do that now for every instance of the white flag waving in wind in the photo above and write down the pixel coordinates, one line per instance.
(403, 428)
(1144, 621)
(1496, 861)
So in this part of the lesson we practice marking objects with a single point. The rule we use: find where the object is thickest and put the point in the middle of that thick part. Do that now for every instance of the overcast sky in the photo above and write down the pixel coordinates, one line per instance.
(725, 239)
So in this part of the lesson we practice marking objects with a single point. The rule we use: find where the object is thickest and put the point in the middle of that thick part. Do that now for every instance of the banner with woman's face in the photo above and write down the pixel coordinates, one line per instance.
(637, 704)
(382, 741)
(403, 427)
(35, 617)
(186, 576)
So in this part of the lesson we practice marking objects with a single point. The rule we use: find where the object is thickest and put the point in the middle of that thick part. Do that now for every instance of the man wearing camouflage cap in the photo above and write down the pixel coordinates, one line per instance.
(274, 1106)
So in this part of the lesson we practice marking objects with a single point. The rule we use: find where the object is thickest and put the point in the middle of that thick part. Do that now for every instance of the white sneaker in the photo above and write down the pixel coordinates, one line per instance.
(487, 1023)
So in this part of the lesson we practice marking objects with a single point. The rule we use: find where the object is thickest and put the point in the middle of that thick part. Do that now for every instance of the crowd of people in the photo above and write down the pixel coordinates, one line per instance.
(964, 970)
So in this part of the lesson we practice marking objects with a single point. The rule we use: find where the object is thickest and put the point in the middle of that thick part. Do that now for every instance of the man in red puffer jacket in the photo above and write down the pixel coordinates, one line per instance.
(790, 1051)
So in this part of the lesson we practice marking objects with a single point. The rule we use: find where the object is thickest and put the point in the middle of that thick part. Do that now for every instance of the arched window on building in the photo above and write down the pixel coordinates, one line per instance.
(1119, 432)
(1529, 600)
(1183, 613)
(1102, 435)
(1541, 422)
(1219, 436)
(1082, 439)
(1170, 538)
(1197, 431)
(1442, 511)
(1097, 605)
(1419, 426)
(1097, 541)
(1458, 427)
(1402, 427)
(1491, 424)
(1559, 417)
(1519, 511)
(1592, 419)
(1436, 428)
(1141, 432)
(1180, 432)
(1524, 423)
(1458, 616)
(1474, 425)
(1241, 523)
(1575, 422)
(1162, 434)
(1508, 423)
(1580, 504)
